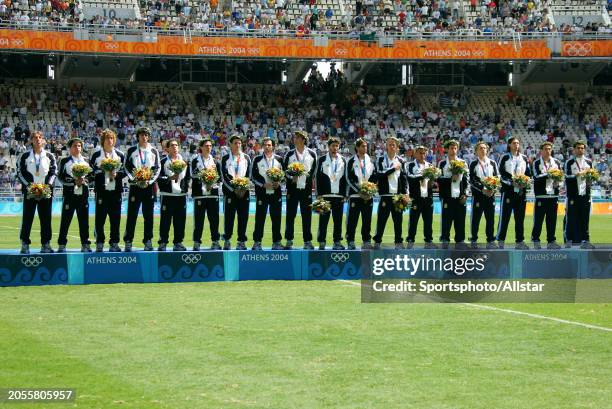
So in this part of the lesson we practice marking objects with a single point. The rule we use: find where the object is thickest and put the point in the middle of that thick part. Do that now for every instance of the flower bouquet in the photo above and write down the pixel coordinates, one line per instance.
(209, 177)
(143, 176)
(241, 185)
(401, 202)
(276, 175)
(177, 166)
(521, 181)
(591, 175)
(457, 167)
(368, 190)
(431, 173)
(556, 175)
(39, 191)
(80, 170)
(110, 165)
(492, 183)
(321, 206)
(296, 169)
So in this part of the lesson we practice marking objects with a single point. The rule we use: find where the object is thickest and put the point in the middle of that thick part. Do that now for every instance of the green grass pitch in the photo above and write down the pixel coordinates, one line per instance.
(600, 230)
(296, 345)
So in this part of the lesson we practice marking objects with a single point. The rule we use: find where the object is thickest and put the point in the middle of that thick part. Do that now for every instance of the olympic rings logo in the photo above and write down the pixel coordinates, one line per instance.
(111, 46)
(578, 49)
(31, 261)
(341, 51)
(191, 258)
(340, 257)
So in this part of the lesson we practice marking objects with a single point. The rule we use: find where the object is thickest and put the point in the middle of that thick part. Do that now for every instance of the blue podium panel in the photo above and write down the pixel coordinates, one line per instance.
(109, 268)
(334, 265)
(552, 263)
(201, 266)
(269, 265)
(599, 265)
(33, 269)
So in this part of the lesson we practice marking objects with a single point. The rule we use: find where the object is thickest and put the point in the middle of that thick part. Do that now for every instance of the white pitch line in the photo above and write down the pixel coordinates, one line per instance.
(528, 314)
(36, 230)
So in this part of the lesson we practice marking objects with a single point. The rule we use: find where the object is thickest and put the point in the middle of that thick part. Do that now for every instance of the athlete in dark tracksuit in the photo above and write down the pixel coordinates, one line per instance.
(108, 187)
(421, 192)
(578, 202)
(359, 169)
(268, 195)
(483, 200)
(36, 166)
(546, 198)
(141, 193)
(513, 199)
(205, 198)
(75, 197)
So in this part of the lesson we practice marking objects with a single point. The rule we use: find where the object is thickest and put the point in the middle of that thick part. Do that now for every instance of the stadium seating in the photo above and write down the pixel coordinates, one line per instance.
(389, 15)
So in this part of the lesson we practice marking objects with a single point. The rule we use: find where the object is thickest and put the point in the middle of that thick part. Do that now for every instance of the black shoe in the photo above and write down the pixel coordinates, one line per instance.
(114, 248)
(46, 248)
(338, 246)
(521, 246)
(148, 246)
(179, 247)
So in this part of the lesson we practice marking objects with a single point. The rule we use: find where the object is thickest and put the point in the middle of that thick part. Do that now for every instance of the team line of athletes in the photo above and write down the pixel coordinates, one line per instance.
(399, 184)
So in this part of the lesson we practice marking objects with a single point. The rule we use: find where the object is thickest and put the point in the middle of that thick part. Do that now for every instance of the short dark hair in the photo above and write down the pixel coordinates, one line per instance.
(204, 140)
(546, 144)
(333, 139)
(450, 142)
(73, 141)
(143, 130)
(302, 134)
(580, 142)
(482, 143)
(234, 137)
(512, 139)
(360, 142)
(266, 139)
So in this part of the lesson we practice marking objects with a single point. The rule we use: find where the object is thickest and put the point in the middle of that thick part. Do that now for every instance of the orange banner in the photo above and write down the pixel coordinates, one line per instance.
(599, 48)
(599, 208)
(280, 48)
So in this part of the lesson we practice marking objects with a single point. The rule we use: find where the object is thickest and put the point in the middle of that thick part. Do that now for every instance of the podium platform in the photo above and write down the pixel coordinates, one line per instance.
(75, 268)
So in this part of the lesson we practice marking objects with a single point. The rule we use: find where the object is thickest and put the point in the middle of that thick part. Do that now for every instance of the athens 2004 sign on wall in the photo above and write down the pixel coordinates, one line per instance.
(280, 48)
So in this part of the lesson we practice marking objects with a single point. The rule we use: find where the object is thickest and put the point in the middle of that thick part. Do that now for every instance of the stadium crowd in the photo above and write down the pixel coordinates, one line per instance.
(324, 108)
(366, 18)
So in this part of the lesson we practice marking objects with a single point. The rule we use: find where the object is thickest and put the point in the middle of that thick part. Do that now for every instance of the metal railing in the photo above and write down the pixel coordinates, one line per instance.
(191, 32)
